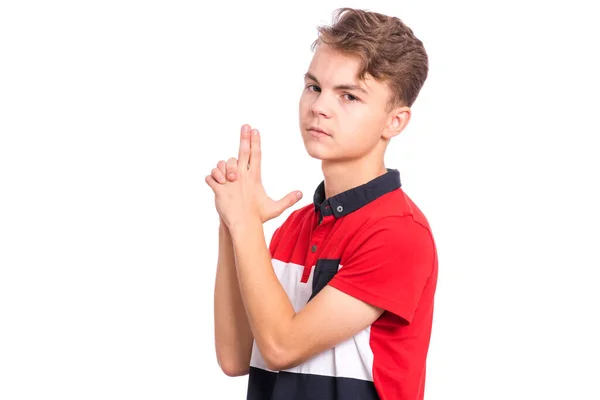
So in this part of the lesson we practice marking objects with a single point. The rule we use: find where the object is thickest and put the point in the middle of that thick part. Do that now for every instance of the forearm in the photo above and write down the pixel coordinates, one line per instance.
(233, 336)
(268, 308)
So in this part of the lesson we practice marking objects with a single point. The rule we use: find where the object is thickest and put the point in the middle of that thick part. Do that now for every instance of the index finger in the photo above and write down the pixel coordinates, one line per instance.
(244, 151)
(255, 152)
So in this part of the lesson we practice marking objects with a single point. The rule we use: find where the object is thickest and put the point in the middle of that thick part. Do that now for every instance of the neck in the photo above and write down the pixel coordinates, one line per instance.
(342, 176)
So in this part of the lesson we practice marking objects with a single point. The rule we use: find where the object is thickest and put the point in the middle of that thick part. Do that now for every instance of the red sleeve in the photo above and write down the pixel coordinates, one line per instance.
(388, 265)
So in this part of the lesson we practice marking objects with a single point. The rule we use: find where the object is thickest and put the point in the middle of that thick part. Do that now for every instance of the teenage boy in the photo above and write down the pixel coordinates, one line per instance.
(339, 305)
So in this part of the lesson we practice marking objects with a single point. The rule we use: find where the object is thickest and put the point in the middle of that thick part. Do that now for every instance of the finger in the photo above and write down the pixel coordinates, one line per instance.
(218, 175)
(244, 154)
(245, 128)
(255, 152)
(222, 165)
(288, 201)
(210, 181)
(232, 168)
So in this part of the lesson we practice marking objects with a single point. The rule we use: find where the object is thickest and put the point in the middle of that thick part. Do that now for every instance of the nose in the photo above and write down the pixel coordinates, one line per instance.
(319, 107)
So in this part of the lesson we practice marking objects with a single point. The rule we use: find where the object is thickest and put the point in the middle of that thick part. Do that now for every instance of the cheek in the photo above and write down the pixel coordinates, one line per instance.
(351, 142)
(358, 134)
(304, 103)
(356, 125)
(364, 121)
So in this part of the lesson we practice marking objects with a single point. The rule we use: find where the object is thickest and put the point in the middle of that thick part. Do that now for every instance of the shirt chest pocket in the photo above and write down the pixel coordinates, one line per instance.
(325, 269)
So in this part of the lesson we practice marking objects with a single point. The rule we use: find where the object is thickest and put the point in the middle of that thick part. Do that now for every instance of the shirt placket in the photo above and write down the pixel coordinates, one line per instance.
(315, 246)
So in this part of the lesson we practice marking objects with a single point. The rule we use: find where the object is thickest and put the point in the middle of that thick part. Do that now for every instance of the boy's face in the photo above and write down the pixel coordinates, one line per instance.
(352, 113)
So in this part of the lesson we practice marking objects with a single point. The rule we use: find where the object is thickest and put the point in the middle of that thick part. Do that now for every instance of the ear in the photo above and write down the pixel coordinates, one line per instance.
(398, 120)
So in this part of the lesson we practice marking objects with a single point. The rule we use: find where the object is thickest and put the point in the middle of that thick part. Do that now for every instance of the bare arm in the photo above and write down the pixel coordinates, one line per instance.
(286, 338)
(233, 336)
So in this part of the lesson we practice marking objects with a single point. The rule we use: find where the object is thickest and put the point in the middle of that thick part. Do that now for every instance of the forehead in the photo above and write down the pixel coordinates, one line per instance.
(330, 64)
(331, 68)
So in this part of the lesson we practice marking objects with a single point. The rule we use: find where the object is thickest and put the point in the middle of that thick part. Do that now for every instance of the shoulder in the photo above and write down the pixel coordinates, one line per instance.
(398, 203)
(393, 215)
(391, 233)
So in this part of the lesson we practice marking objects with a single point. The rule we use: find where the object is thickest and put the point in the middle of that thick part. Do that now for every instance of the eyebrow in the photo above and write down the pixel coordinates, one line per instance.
(310, 76)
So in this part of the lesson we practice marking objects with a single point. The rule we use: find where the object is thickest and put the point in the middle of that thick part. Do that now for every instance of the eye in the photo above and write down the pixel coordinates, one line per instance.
(350, 97)
(316, 88)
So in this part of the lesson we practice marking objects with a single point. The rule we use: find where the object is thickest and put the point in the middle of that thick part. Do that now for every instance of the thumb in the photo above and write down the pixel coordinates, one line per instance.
(288, 201)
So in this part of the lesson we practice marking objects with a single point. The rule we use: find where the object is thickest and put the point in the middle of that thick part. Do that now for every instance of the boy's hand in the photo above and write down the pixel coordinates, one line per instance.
(229, 173)
(219, 175)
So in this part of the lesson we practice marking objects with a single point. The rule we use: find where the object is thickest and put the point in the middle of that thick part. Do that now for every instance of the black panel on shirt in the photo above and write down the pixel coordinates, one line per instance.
(325, 269)
(293, 386)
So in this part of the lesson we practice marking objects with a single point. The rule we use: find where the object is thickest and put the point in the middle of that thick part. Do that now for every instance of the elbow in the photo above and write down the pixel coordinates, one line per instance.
(233, 370)
(232, 366)
(232, 361)
(278, 358)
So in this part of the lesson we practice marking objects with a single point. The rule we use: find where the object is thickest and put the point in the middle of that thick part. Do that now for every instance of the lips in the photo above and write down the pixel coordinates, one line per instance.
(318, 130)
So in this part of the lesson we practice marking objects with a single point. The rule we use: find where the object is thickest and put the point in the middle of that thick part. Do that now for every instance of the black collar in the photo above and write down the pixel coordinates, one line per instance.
(353, 199)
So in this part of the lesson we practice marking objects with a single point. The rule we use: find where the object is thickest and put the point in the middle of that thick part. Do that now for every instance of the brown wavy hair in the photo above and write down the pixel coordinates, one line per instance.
(387, 49)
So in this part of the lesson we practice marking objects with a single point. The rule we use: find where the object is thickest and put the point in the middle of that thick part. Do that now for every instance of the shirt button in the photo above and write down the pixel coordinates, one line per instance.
(313, 248)
(340, 208)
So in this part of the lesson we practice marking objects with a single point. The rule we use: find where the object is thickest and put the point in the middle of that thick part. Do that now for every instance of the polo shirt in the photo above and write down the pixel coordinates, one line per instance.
(373, 243)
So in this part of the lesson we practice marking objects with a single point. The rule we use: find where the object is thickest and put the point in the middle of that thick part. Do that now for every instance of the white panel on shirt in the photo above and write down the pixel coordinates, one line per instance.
(352, 358)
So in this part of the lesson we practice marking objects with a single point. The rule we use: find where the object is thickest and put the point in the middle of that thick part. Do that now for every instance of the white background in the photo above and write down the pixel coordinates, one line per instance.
(112, 113)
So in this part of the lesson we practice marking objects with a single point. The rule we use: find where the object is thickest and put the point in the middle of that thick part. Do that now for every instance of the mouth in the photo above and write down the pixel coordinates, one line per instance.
(317, 132)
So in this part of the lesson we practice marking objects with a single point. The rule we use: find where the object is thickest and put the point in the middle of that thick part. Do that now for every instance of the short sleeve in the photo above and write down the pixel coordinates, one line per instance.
(388, 265)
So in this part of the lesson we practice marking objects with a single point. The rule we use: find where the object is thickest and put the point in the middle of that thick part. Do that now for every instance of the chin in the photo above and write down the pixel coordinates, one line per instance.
(317, 149)
(314, 149)
(318, 153)
(314, 153)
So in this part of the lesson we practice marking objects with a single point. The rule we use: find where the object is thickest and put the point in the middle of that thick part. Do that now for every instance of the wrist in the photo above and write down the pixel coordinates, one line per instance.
(243, 227)
(223, 229)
